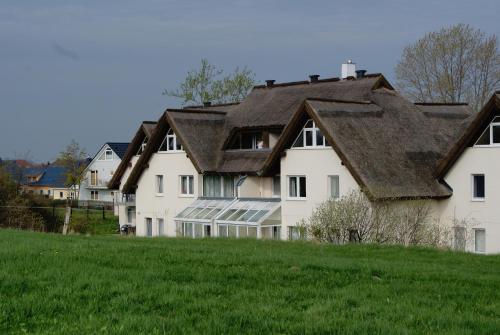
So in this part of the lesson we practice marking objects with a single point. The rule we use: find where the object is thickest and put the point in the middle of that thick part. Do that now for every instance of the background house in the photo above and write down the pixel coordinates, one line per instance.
(94, 186)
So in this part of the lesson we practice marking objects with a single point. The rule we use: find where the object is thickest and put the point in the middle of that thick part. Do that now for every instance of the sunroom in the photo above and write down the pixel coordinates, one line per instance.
(236, 218)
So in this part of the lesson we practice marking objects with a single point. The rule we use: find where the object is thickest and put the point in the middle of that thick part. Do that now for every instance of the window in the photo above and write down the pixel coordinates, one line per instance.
(195, 229)
(479, 240)
(161, 229)
(310, 136)
(249, 140)
(41, 191)
(107, 155)
(296, 187)
(143, 146)
(60, 195)
(478, 187)
(149, 227)
(170, 143)
(276, 186)
(218, 186)
(159, 184)
(130, 215)
(94, 178)
(293, 233)
(94, 195)
(238, 231)
(333, 184)
(491, 135)
(187, 187)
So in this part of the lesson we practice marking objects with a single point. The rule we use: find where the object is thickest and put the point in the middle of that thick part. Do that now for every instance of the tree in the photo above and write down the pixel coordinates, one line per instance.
(205, 84)
(73, 159)
(454, 64)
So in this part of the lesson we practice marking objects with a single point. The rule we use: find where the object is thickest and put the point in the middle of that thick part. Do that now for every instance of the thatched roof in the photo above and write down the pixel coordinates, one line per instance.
(390, 145)
(145, 130)
(470, 133)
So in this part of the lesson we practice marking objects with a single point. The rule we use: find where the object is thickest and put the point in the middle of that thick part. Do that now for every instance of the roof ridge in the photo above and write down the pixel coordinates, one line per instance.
(149, 122)
(196, 111)
(342, 101)
(441, 103)
(325, 80)
(212, 105)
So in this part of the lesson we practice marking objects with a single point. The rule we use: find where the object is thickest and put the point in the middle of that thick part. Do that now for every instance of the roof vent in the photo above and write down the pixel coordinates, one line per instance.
(270, 82)
(207, 103)
(360, 74)
(314, 78)
(348, 69)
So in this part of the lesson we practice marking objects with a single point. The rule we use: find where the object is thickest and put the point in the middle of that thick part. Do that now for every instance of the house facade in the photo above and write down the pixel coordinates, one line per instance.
(94, 186)
(256, 168)
(48, 181)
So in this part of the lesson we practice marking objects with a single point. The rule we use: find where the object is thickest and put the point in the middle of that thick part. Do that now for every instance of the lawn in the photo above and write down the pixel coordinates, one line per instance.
(53, 284)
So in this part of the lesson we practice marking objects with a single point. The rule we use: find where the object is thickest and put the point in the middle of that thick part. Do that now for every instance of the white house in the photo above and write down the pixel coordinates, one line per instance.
(94, 186)
(255, 169)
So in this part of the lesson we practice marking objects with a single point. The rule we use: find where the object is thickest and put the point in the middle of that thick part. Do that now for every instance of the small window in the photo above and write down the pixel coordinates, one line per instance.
(249, 141)
(276, 186)
(94, 195)
(495, 129)
(60, 195)
(149, 227)
(187, 187)
(333, 187)
(109, 154)
(296, 187)
(479, 240)
(478, 187)
(310, 137)
(161, 228)
(491, 135)
(159, 184)
(218, 186)
(143, 146)
(170, 143)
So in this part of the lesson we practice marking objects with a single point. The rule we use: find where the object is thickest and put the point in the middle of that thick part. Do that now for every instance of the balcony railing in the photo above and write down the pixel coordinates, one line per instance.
(127, 199)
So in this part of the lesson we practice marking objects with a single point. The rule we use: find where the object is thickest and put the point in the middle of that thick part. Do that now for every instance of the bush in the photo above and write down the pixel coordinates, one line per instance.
(353, 218)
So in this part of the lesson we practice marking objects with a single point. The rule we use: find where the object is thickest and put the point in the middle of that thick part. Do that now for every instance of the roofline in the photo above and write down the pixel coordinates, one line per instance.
(441, 103)
(213, 105)
(195, 111)
(341, 101)
(115, 181)
(445, 164)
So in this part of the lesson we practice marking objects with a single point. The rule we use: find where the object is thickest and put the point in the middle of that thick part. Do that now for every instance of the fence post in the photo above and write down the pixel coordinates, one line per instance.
(103, 213)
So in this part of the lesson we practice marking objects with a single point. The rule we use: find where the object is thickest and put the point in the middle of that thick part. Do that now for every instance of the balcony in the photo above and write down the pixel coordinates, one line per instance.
(127, 200)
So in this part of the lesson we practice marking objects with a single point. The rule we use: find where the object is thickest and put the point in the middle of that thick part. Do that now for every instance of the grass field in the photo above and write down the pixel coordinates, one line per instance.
(52, 284)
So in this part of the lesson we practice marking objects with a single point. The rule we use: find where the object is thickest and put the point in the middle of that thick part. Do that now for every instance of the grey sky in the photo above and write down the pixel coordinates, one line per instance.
(92, 70)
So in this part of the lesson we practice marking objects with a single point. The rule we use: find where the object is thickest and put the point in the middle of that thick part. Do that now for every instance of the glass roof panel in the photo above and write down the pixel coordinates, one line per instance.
(203, 209)
(249, 211)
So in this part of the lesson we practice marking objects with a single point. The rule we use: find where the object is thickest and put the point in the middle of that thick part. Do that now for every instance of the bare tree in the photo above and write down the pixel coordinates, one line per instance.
(73, 159)
(206, 84)
(454, 64)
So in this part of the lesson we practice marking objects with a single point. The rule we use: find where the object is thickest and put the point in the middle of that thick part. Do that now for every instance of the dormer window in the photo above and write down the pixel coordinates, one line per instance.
(249, 141)
(310, 137)
(491, 135)
(170, 143)
(143, 146)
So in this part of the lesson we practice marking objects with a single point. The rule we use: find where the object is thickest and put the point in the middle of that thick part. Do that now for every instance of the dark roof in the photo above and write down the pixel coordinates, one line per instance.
(119, 148)
(470, 132)
(52, 176)
(390, 146)
(146, 130)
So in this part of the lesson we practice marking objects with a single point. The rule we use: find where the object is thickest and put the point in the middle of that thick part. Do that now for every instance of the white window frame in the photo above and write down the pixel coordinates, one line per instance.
(276, 194)
(142, 147)
(475, 242)
(473, 195)
(222, 186)
(147, 221)
(96, 172)
(94, 195)
(110, 152)
(490, 129)
(159, 185)
(329, 186)
(190, 185)
(170, 136)
(162, 231)
(314, 129)
(297, 183)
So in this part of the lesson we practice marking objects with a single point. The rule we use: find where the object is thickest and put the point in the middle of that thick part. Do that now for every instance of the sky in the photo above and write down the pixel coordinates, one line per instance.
(93, 70)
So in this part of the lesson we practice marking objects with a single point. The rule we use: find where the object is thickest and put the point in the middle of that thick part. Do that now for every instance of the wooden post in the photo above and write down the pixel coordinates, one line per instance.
(67, 217)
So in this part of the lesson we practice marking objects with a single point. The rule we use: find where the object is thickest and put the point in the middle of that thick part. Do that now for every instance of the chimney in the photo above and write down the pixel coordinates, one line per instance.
(207, 103)
(360, 74)
(270, 82)
(314, 78)
(348, 69)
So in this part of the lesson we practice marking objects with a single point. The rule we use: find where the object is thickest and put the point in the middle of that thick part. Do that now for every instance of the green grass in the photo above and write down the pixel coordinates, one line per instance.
(91, 222)
(52, 284)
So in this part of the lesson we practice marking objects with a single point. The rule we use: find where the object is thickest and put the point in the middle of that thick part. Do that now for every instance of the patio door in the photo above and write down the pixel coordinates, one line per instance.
(149, 227)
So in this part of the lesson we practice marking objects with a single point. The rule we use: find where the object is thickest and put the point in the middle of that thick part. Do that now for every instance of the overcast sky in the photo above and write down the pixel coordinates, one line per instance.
(92, 70)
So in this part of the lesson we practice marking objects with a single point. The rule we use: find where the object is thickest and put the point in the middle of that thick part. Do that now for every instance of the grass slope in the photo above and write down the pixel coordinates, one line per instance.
(51, 284)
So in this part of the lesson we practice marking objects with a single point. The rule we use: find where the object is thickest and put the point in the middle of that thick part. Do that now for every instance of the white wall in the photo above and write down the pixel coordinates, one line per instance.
(316, 164)
(256, 187)
(105, 169)
(120, 206)
(476, 160)
(148, 204)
